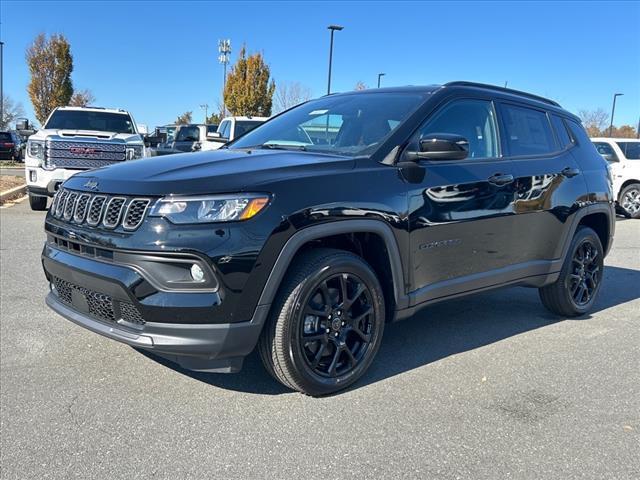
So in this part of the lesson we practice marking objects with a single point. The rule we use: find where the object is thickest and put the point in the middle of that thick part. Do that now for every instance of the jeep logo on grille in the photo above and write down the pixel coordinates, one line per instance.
(83, 150)
(91, 185)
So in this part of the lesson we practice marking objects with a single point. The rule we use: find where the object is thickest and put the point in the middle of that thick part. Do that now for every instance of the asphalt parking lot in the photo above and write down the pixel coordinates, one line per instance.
(492, 386)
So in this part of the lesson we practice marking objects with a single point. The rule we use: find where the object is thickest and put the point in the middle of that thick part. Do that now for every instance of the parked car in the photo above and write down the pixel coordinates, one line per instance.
(10, 146)
(188, 138)
(305, 250)
(231, 128)
(75, 139)
(623, 155)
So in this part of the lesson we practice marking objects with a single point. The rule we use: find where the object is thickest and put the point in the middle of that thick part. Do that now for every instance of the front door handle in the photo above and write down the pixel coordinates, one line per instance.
(570, 172)
(500, 179)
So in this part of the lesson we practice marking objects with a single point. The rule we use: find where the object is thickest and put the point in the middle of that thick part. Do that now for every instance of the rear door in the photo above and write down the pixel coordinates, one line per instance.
(549, 183)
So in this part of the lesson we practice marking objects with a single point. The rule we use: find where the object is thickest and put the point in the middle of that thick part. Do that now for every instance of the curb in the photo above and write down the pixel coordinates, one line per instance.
(12, 193)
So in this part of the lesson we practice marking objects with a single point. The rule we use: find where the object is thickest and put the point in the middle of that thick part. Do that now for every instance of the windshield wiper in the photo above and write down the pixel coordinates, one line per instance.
(282, 146)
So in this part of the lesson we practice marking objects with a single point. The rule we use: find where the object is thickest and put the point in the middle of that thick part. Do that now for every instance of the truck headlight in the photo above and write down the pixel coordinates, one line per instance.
(35, 149)
(134, 152)
(210, 208)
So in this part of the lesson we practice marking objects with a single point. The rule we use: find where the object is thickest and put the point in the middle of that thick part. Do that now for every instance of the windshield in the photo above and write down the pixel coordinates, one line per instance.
(91, 120)
(342, 124)
(631, 150)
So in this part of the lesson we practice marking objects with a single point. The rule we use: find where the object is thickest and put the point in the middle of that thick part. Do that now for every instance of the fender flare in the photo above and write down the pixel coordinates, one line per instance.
(316, 232)
(607, 209)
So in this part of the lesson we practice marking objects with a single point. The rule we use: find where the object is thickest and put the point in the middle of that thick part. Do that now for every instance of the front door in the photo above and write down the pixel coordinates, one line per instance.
(461, 231)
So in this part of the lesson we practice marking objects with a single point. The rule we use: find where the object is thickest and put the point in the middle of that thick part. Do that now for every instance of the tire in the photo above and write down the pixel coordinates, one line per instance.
(325, 351)
(577, 287)
(629, 201)
(37, 203)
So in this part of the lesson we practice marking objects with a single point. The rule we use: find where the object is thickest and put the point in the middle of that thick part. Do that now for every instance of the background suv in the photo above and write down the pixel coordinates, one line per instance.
(305, 245)
(623, 155)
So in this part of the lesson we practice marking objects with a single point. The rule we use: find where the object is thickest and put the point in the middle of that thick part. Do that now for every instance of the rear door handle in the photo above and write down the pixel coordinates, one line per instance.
(500, 179)
(570, 172)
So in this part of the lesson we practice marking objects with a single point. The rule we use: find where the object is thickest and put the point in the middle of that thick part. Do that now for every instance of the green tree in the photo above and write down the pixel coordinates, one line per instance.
(249, 89)
(184, 119)
(50, 64)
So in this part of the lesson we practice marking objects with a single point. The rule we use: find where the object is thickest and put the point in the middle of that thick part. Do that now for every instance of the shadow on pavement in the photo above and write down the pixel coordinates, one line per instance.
(440, 331)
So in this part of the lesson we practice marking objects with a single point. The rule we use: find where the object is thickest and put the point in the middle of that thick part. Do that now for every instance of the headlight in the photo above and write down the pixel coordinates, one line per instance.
(35, 148)
(210, 208)
(134, 152)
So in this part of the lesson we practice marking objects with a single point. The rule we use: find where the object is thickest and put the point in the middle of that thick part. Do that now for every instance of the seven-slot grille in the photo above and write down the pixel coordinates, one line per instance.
(83, 154)
(99, 210)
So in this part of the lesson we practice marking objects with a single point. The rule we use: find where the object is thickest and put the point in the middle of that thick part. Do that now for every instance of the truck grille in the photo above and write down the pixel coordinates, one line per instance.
(98, 304)
(83, 155)
(95, 210)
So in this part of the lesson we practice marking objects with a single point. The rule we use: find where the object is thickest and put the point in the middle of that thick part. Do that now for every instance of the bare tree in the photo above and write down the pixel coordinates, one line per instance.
(82, 98)
(10, 113)
(360, 85)
(290, 94)
(595, 121)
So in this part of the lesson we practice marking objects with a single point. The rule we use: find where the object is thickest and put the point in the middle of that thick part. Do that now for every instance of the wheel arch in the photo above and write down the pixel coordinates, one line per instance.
(626, 183)
(306, 237)
(599, 217)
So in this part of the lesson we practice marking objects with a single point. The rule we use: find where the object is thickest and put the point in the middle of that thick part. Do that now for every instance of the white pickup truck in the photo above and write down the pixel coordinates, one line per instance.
(74, 139)
(231, 128)
(623, 155)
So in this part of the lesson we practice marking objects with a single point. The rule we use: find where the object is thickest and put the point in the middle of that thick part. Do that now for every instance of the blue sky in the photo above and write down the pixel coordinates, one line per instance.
(159, 59)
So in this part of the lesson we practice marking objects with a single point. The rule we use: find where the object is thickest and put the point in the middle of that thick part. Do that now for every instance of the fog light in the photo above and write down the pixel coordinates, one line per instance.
(196, 273)
(33, 175)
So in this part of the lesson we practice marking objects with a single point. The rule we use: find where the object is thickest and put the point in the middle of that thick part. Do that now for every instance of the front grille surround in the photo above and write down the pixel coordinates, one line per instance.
(83, 154)
(100, 210)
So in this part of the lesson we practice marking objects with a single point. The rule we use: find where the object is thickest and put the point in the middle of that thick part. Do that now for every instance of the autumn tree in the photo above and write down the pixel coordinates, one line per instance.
(82, 98)
(10, 112)
(625, 131)
(184, 119)
(360, 85)
(249, 89)
(594, 121)
(50, 64)
(290, 94)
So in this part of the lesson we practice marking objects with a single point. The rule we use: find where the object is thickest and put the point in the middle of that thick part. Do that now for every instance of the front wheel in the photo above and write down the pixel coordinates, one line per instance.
(629, 201)
(326, 325)
(574, 293)
(37, 202)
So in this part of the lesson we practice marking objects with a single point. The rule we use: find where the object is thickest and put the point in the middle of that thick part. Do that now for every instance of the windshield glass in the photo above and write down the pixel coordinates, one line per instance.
(631, 150)
(90, 120)
(342, 124)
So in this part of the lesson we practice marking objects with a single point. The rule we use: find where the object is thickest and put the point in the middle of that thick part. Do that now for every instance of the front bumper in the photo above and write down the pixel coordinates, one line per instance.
(91, 286)
(46, 181)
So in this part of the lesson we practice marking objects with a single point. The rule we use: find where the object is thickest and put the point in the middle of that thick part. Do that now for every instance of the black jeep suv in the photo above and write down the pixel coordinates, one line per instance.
(306, 235)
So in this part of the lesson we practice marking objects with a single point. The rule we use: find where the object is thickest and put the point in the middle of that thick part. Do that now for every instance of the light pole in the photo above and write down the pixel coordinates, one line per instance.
(380, 75)
(333, 28)
(613, 110)
(1, 82)
(224, 50)
(205, 107)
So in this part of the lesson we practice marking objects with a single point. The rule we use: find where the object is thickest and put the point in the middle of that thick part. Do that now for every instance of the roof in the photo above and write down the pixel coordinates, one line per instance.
(614, 139)
(94, 109)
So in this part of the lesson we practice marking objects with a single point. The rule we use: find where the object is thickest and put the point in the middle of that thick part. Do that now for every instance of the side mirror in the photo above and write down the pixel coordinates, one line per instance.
(441, 146)
(216, 137)
(610, 157)
(143, 129)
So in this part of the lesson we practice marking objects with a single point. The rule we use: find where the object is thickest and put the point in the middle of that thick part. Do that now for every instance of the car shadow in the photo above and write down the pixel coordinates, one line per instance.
(440, 331)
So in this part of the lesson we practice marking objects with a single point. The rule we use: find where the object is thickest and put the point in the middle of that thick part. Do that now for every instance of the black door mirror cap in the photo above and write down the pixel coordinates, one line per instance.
(441, 146)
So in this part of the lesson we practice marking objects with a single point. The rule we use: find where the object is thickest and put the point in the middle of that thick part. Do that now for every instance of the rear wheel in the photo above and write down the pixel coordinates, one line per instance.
(575, 291)
(629, 201)
(326, 324)
(37, 202)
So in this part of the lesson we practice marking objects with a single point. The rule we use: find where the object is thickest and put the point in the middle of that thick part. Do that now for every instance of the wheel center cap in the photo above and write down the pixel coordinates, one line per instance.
(336, 323)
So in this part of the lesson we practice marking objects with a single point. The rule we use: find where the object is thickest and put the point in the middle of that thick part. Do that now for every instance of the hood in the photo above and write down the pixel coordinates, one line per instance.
(219, 171)
(88, 135)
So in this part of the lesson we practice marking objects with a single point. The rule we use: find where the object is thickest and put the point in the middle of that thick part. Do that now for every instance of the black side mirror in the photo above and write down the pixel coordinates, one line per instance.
(441, 146)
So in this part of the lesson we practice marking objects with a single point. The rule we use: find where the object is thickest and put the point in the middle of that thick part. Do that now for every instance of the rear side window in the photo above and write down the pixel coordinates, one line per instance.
(527, 131)
(561, 132)
(631, 150)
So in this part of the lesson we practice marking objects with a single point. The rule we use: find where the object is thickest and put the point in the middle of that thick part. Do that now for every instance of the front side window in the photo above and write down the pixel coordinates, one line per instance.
(225, 128)
(606, 150)
(349, 124)
(631, 150)
(188, 134)
(472, 119)
(527, 131)
(90, 120)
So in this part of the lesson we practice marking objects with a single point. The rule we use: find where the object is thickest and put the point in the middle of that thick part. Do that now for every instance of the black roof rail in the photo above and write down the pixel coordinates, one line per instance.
(502, 89)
